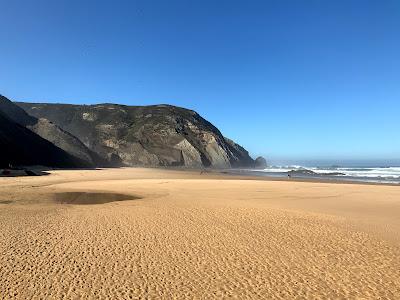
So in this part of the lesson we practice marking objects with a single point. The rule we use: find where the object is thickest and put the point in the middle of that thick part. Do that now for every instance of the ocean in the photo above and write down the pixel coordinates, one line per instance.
(375, 174)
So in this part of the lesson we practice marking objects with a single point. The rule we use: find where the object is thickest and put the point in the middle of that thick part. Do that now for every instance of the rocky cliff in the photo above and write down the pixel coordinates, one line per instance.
(260, 163)
(158, 135)
(49, 131)
(20, 146)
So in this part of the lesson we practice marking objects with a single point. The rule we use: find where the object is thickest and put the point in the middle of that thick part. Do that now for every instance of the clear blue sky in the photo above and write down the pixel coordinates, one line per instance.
(286, 79)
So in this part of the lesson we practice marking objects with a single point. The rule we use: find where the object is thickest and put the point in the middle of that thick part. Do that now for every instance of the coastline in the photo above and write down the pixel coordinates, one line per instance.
(255, 175)
(236, 173)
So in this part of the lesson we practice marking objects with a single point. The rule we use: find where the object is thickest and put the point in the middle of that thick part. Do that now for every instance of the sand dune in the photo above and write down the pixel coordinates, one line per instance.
(186, 235)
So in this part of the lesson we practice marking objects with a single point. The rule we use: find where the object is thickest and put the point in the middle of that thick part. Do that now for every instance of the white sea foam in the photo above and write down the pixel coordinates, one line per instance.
(379, 173)
(392, 172)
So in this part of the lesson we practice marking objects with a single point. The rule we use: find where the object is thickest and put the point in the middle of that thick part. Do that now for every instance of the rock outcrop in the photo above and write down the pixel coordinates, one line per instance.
(260, 163)
(20, 146)
(157, 135)
(49, 131)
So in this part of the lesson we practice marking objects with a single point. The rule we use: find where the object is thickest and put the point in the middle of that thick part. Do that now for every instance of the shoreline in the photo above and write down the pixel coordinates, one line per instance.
(310, 179)
(244, 174)
(247, 175)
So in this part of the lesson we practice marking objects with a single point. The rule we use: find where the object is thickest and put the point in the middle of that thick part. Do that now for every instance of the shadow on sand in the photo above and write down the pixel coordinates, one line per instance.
(85, 198)
(35, 171)
(21, 172)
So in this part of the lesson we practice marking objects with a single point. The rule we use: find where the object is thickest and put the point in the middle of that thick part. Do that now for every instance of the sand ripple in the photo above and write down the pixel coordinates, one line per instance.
(190, 242)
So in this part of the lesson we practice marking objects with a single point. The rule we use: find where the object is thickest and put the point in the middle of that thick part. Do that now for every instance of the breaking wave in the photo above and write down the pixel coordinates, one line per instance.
(372, 174)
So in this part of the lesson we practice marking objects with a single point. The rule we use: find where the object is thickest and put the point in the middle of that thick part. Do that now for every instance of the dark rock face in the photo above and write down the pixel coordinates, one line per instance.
(20, 146)
(15, 113)
(302, 172)
(158, 135)
(310, 172)
(49, 131)
(260, 163)
(242, 156)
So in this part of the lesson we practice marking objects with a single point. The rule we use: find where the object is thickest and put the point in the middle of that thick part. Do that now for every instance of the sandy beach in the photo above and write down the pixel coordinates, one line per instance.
(136, 233)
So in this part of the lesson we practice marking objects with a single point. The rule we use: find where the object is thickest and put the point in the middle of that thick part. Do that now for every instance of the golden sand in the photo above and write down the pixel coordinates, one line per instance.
(185, 235)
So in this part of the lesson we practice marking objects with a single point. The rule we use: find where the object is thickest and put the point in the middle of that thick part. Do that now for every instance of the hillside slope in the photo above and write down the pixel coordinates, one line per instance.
(21, 147)
(158, 135)
(48, 131)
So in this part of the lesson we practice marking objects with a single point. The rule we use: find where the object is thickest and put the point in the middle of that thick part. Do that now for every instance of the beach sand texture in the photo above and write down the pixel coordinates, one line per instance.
(161, 234)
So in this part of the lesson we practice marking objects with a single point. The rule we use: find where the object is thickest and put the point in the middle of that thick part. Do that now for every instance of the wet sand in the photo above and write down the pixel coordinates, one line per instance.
(86, 198)
(173, 234)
